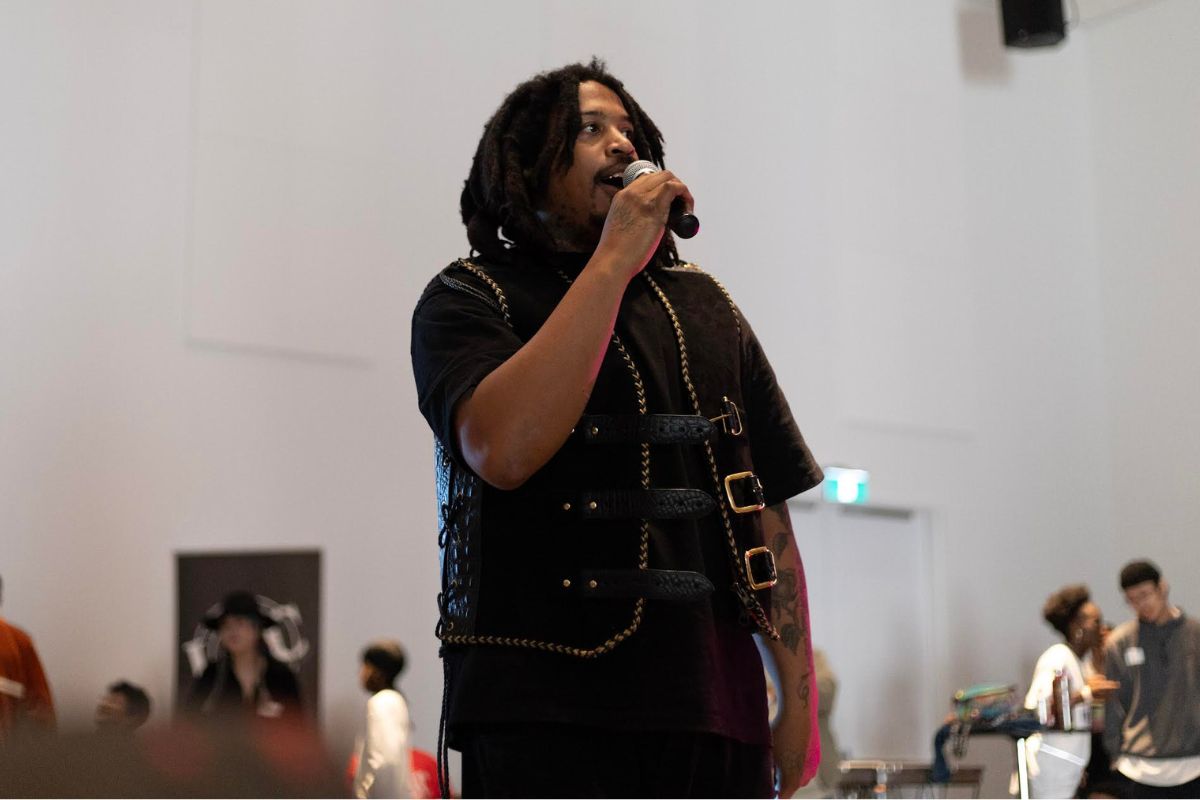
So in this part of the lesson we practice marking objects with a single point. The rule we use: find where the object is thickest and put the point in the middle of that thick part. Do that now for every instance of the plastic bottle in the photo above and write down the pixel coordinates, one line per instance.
(1060, 697)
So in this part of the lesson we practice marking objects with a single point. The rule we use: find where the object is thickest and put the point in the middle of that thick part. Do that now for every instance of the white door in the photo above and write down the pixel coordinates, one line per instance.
(870, 582)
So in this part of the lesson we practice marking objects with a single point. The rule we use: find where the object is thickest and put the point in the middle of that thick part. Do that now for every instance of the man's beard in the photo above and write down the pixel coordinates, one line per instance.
(575, 236)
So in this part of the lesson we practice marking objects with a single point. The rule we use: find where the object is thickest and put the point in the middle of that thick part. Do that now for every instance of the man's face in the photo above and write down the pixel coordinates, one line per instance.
(1148, 600)
(366, 675)
(112, 711)
(577, 199)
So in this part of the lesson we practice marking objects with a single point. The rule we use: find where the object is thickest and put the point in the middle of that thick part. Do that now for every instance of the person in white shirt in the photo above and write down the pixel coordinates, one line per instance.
(1056, 759)
(384, 757)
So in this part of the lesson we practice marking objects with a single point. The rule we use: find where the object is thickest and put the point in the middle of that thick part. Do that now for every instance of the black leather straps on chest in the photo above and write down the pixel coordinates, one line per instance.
(654, 584)
(648, 428)
(611, 504)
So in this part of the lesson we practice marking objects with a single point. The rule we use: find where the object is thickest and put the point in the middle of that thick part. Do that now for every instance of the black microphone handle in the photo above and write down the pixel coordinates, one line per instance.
(681, 223)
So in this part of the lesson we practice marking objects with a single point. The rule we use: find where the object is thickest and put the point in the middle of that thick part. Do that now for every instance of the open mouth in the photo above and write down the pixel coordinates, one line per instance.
(614, 178)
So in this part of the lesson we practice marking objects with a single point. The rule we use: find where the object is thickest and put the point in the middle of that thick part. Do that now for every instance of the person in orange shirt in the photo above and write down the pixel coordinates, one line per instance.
(25, 700)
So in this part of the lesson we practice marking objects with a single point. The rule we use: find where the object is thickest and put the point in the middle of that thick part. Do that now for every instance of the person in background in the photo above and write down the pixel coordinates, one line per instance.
(245, 680)
(1057, 759)
(25, 699)
(123, 709)
(384, 758)
(829, 773)
(1152, 723)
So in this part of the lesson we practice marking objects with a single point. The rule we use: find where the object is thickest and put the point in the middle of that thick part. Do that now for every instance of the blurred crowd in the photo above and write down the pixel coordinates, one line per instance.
(241, 729)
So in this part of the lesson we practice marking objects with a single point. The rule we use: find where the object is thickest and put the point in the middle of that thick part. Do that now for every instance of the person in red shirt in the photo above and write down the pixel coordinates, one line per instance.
(25, 700)
(424, 774)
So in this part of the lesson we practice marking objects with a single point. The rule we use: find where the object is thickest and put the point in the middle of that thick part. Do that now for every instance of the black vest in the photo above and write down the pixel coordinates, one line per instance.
(561, 563)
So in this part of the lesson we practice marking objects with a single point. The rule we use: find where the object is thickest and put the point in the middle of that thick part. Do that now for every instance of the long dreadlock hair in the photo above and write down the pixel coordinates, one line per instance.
(532, 134)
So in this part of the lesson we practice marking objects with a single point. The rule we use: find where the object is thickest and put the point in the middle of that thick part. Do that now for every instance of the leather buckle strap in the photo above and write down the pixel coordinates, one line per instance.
(647, 428)
(749, 483)
(765, 560)
(634, 504)
(680, 586)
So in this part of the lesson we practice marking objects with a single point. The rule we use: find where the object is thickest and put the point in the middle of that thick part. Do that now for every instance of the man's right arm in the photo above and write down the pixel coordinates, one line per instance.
(518, 416)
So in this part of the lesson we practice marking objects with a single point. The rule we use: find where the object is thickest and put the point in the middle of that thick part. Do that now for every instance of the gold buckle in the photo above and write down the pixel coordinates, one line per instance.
(769, 582)
(731, 412)
(755, 488)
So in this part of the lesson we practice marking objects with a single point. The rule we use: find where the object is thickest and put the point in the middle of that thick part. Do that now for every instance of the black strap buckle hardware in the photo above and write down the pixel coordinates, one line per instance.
(730, 418)
(754, 487)
(764, 556)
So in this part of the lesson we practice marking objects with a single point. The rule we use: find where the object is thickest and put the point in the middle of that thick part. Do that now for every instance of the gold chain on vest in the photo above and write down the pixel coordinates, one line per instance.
(749, 601)
(644, 547)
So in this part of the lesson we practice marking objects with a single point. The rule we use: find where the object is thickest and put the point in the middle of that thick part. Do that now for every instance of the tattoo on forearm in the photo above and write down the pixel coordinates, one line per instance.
(786, 601)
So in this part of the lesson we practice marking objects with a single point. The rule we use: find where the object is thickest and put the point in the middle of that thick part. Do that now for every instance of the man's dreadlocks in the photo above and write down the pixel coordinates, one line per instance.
(532, 134)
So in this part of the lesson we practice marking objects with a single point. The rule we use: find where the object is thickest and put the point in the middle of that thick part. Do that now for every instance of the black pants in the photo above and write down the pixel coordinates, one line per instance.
(533, 760)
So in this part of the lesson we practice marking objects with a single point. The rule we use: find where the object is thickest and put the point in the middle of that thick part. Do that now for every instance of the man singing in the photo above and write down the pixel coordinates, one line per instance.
(613, 457)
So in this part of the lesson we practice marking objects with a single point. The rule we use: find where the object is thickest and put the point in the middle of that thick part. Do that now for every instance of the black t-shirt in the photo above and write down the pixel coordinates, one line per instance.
(690, 667)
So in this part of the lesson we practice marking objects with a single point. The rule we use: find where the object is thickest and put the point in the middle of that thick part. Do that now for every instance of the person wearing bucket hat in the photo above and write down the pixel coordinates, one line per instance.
(237, 604)
(245, 680)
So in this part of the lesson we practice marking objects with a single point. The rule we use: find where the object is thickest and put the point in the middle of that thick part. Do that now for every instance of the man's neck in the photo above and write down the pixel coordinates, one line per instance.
(570, 238)
(1169, 613)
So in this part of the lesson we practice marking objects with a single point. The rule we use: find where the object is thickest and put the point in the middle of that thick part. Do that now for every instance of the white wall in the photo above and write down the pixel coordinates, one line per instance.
(969, 266)
(1146, 117)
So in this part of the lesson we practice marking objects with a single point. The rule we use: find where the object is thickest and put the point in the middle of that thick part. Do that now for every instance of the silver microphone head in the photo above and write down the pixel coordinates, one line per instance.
(636, 170)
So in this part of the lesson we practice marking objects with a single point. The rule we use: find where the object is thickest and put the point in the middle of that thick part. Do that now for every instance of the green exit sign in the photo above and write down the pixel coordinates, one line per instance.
(845, 485)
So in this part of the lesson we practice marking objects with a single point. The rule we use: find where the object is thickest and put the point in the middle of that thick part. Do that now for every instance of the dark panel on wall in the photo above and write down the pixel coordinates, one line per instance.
(288, 587)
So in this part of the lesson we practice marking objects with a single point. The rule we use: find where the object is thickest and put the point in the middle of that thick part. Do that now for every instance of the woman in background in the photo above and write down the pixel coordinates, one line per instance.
(245, 680)
(1056, 759)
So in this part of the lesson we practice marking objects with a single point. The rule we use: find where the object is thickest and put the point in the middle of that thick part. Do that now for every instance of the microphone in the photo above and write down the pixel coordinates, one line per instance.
(681, 223)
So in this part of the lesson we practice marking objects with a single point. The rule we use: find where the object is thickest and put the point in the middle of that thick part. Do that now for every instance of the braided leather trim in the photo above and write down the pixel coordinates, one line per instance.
(741, 579)
(483, 276)
(737, 317)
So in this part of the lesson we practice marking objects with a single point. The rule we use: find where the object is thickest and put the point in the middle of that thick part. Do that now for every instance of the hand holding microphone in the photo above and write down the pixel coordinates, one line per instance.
(682, 223)
(649, 200)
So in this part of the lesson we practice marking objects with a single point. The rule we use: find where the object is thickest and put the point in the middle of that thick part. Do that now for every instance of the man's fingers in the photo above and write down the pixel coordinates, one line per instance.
(688, 201)
(664, 187)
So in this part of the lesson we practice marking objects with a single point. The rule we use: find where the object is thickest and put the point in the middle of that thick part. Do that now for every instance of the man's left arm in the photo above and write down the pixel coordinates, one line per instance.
(796, 740)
